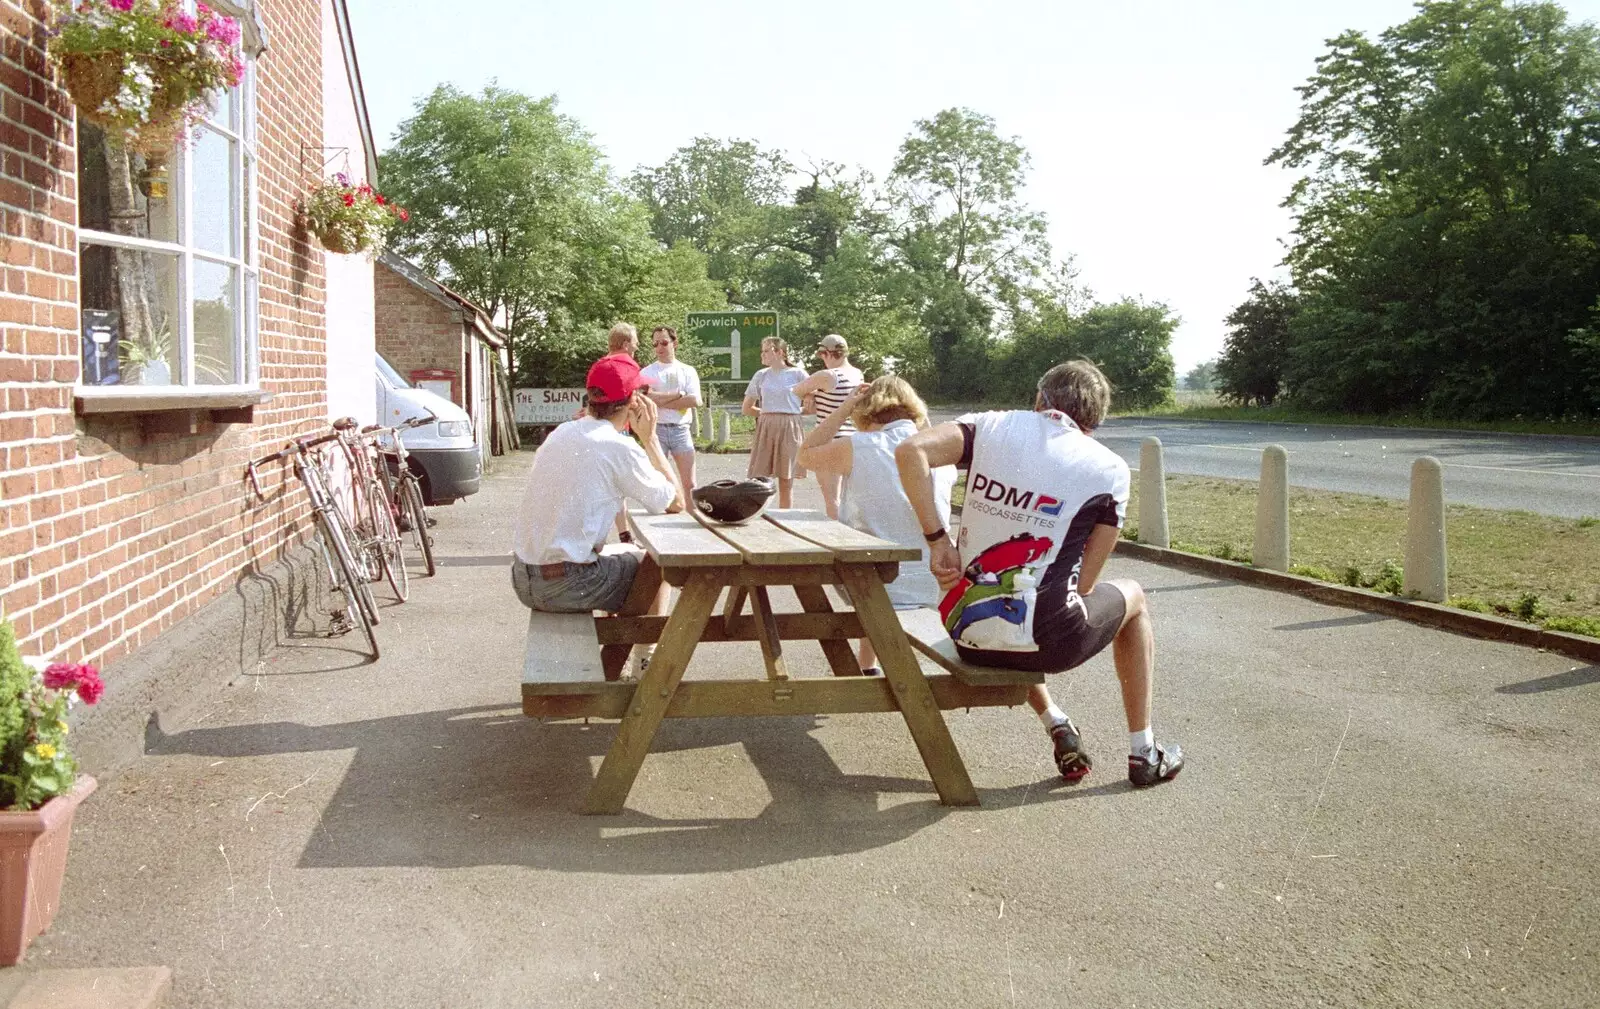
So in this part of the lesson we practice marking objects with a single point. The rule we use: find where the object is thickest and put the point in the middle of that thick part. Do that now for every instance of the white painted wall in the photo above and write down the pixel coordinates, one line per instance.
(352, 331)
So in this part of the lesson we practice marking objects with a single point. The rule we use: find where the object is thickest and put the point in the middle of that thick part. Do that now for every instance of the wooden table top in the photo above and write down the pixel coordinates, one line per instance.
(781, 537)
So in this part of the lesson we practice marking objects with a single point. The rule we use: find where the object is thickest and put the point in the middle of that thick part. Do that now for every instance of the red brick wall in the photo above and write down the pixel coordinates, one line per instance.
(112, 529)
(416, 330)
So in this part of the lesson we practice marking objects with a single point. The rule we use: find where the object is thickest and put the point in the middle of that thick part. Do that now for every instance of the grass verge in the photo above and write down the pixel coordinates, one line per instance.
(1533, 567)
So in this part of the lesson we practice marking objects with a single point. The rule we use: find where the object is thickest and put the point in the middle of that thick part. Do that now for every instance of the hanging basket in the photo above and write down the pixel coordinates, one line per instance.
(341, 242)
(157, 138)
(92, 81)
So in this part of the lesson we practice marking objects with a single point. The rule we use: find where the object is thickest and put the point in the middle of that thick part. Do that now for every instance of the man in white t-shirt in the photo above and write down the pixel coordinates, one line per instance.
(1044, 506)
(580, 478)
(677, 395)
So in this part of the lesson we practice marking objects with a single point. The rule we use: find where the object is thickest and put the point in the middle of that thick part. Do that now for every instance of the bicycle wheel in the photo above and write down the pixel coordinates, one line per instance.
(388, 542)
(348, 581)
(411, 498)
(358, 564)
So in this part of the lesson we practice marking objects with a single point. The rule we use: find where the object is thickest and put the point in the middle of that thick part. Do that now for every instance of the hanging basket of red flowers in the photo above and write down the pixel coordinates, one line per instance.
(348, 219)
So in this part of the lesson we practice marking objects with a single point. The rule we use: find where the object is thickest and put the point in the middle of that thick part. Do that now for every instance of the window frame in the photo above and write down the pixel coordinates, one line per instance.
(244, 226)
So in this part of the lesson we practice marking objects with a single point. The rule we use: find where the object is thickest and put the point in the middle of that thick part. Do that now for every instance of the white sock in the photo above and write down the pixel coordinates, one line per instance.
(1141, 743)
(1052, 717)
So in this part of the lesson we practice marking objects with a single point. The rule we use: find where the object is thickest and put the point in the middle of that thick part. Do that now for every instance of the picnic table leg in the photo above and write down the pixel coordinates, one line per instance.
(653, 694)
(910, 687)
(767, 633)
(614, 658)
(735, 604)
(814, 599)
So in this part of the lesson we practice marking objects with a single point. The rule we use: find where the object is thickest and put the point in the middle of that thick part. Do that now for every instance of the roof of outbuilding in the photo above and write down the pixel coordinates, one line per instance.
(458, 302)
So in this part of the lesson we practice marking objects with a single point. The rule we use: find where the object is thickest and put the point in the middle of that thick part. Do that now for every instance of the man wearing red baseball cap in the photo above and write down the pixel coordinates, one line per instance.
(580, 477)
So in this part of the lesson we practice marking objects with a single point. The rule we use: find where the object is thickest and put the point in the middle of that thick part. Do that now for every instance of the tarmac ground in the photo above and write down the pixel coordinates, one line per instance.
(1372, 814)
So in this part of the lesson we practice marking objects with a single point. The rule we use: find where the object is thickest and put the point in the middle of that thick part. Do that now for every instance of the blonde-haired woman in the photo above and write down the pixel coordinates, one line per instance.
(885, 411)
(771, 400)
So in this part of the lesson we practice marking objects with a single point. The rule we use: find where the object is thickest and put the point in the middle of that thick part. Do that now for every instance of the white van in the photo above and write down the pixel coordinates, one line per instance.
(445, 455)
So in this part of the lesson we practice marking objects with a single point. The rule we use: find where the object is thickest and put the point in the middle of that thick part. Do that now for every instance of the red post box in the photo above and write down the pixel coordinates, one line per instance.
(443, 381)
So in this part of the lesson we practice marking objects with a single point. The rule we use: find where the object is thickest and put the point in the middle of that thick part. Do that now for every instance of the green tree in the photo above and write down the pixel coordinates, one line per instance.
(715, 195)
(1256, 348)
(1446, 221)
(1129, 340)
(512, 204)
(970, 245)
(825, 265)
(1202, 377)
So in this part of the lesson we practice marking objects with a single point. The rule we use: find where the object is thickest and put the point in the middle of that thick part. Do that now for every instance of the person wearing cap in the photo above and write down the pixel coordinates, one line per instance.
(581, 475)
(823, 392)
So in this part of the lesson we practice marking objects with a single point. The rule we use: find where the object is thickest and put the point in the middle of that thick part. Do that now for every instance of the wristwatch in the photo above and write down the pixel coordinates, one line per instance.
(935, 537)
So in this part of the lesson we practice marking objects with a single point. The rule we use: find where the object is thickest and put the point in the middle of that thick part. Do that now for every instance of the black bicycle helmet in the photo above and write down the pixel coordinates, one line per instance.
(734, 501)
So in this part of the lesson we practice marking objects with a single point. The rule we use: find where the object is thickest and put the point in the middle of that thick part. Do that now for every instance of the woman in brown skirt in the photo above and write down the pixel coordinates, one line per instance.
(771, 400)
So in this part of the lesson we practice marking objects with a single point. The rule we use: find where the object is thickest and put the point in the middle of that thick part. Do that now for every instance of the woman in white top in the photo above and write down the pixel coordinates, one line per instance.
(885, 411)
(823, 393)
(771, 400)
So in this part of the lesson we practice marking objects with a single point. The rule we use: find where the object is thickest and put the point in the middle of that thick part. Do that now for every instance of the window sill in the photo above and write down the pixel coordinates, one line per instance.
(156, 399)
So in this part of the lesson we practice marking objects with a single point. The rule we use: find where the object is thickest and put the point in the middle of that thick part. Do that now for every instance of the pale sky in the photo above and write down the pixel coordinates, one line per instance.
(1147, 122)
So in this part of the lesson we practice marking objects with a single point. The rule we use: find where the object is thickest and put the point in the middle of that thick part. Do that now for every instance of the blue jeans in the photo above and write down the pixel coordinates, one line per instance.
(602, 585)
(675, 439)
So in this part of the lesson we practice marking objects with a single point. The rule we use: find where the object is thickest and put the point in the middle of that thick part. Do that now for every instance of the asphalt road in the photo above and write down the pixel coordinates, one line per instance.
(1373, 815)
(1537, 473)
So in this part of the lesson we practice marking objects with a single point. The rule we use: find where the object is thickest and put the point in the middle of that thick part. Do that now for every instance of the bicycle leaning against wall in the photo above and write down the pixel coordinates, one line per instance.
(403, 488)
(377, 537)
(347, 568)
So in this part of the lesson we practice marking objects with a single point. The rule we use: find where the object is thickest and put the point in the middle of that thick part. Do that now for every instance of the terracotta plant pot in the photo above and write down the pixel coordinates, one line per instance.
(33, 860)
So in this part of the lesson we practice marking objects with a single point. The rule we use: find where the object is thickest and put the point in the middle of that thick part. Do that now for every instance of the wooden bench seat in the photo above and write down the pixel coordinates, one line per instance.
(929, 637)
(562, 654)
(810, 696)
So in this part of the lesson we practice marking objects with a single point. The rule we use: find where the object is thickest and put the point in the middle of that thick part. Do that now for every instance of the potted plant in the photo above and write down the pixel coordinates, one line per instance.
(348, 218)
(40, 789)
(146, 357)
(144, 70)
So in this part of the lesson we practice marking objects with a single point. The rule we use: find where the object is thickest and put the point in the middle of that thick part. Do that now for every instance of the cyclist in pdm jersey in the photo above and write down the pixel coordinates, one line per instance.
(1022, 590)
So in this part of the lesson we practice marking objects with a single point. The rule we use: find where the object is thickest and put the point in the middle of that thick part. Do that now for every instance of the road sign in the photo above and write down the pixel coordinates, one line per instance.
(734, 338)
(546, 406)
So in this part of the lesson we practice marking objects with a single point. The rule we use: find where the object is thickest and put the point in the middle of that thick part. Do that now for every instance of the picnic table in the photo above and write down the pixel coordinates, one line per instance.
(741, 564)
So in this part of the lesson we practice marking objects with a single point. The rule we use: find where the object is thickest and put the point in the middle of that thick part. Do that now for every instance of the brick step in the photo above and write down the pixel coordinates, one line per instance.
(90, 988)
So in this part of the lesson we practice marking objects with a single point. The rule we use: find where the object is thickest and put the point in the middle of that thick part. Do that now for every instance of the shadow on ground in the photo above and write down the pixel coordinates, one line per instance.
(1353, 620)
(488, 786)
(1560, 681)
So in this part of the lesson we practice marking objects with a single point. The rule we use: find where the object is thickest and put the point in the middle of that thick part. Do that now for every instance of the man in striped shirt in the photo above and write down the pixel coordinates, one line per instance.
(822, 393)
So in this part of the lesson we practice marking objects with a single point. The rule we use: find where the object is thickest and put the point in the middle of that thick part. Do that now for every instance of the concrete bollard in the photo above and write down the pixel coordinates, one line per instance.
(1271, 549)
(1152, 495)
(1427, 564)
(724, 427)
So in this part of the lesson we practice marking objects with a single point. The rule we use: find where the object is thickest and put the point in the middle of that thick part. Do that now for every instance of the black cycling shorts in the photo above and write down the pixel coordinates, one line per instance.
(1067, 635)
